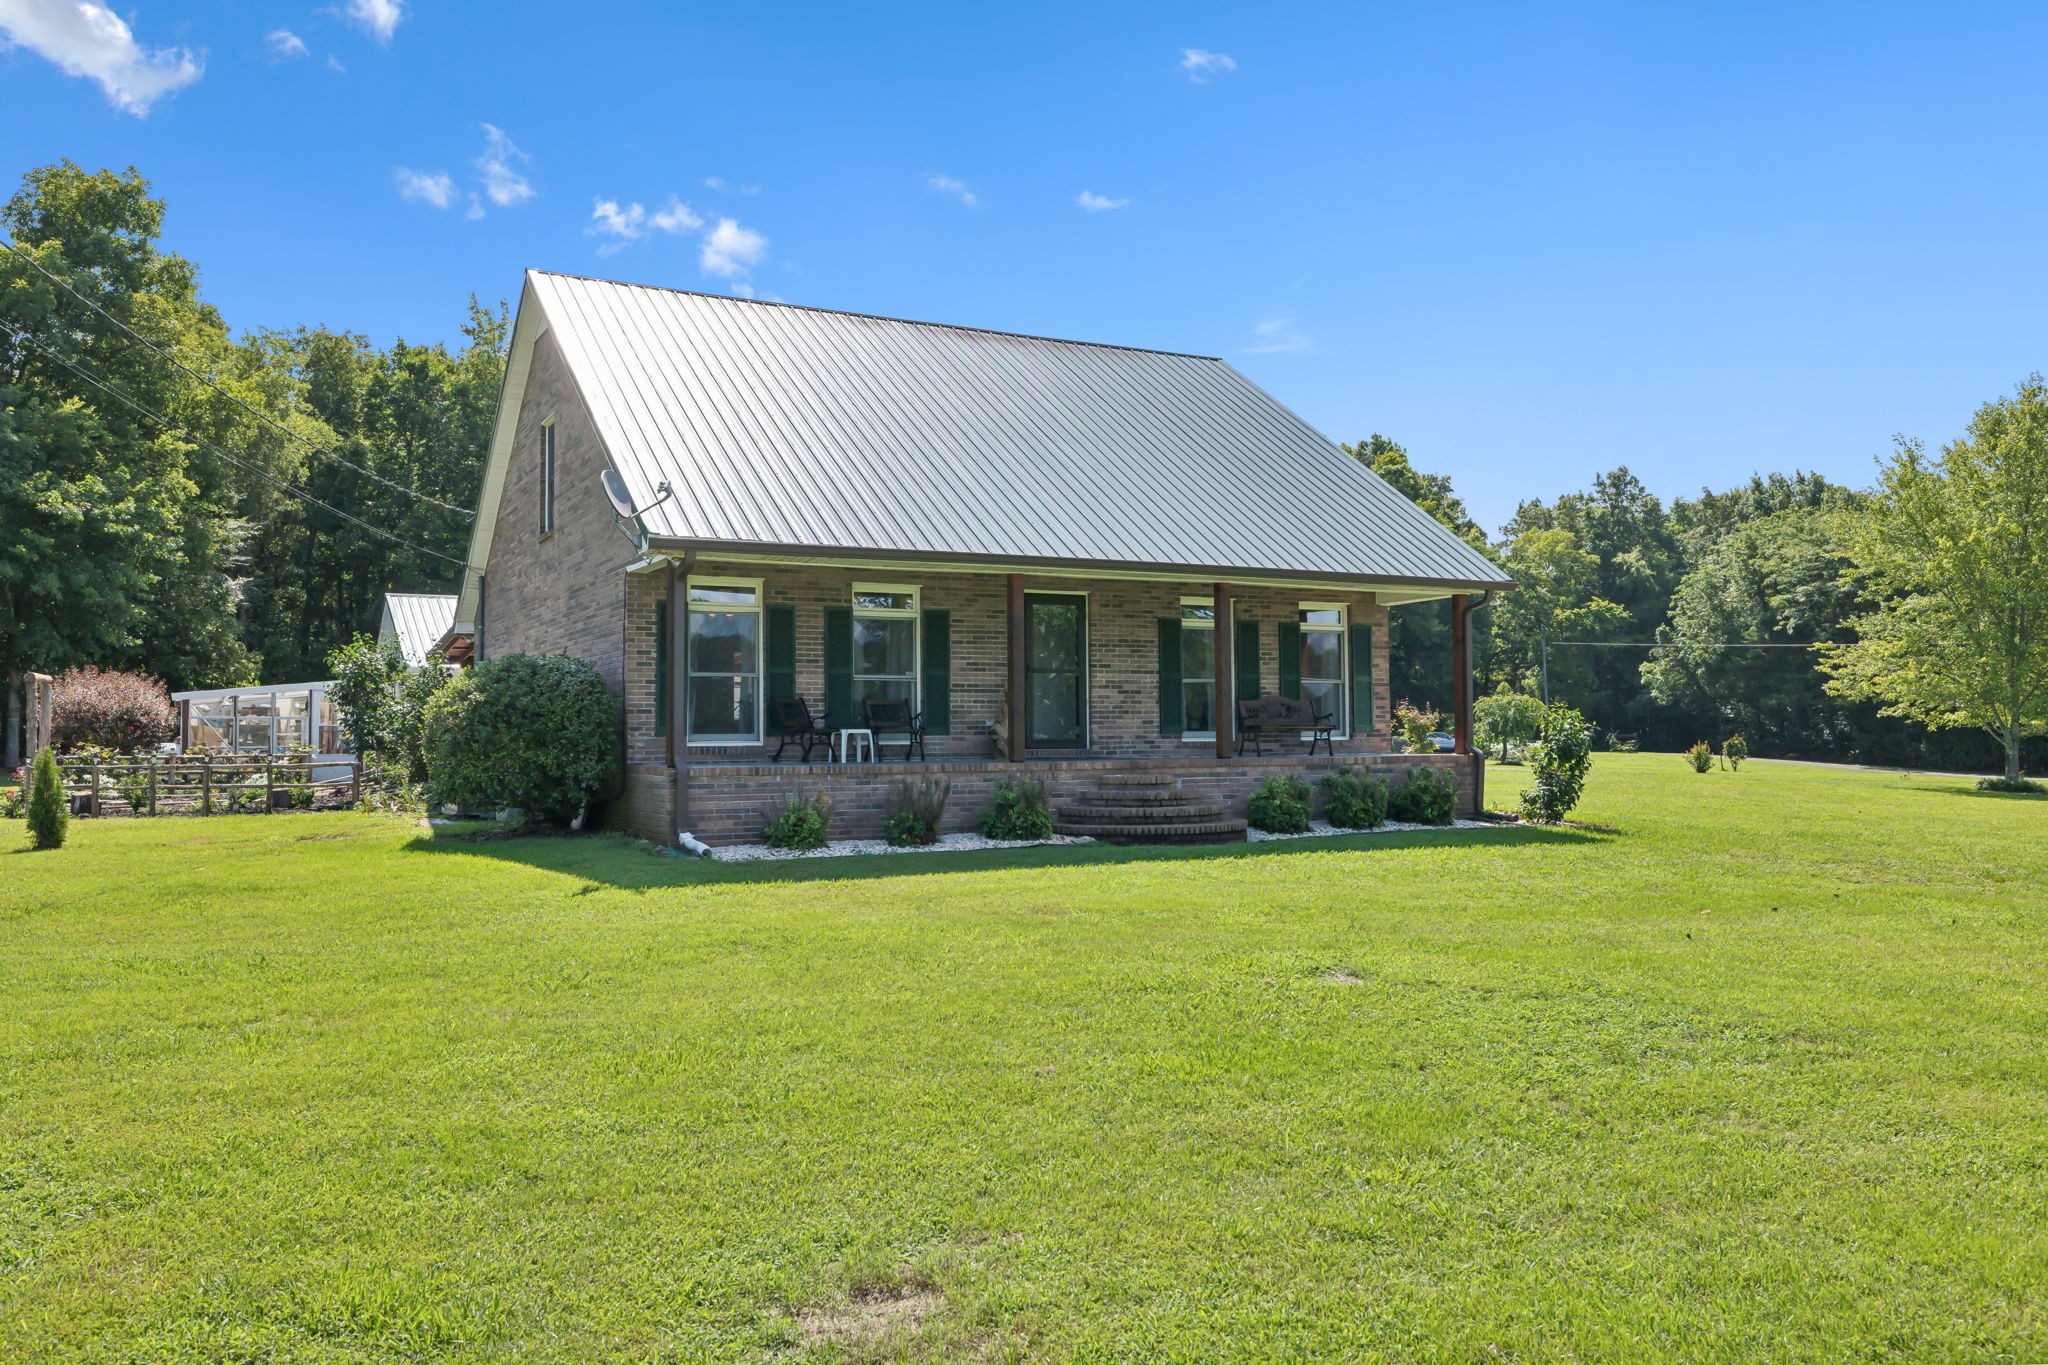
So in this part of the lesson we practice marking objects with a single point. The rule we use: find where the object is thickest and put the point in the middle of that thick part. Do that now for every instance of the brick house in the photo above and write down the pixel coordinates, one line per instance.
(846, 509)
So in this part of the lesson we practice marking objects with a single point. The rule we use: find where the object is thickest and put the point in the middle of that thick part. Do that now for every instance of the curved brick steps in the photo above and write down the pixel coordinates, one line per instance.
(1147, 808)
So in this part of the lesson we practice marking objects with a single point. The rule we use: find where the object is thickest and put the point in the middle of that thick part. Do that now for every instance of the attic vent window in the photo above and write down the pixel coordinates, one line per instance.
(547, 476)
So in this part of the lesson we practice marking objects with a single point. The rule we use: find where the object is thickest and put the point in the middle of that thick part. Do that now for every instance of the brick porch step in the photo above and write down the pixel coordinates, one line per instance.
(1160, 798)
(1137, 780)
(1101, 809)
(1226, 830)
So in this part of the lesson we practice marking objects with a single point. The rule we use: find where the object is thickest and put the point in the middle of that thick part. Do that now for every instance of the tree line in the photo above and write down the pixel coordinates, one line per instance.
(211, 508)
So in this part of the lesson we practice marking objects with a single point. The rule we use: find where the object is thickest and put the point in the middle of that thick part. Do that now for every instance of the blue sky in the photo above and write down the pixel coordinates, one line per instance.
(1529, 242)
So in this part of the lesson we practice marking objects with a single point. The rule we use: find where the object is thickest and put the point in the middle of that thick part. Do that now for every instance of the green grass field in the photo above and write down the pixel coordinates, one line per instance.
(1754, 1071)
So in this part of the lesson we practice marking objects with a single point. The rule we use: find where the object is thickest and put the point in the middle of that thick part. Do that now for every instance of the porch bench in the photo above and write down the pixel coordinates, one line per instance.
(1277, 717)
(894, 720)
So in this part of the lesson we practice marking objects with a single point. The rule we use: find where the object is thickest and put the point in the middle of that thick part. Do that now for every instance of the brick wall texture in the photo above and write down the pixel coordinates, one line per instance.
(571, 592)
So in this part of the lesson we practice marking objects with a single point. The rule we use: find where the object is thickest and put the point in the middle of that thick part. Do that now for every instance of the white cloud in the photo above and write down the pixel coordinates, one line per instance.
(1277, 336)
(503, 185)
(714, 182)
(284, 45)
(730, 250)
(1095, 203)
(625, 224)
(334, 64)
(380, 17)
(87, 39)
(946, 184)
(1201, 65)
(429, 187)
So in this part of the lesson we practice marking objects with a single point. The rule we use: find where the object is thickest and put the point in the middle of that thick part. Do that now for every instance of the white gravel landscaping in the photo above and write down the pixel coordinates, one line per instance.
(1323, 829)
(847, 848)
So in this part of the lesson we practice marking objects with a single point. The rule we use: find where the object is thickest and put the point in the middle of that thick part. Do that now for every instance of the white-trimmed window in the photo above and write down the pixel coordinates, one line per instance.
(1322, 661)
(1198, 667)
(723, 655)
(547, 476)
(885, 644)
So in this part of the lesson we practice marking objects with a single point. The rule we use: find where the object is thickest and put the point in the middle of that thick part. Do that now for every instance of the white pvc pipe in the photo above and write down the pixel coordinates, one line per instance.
(692, 845)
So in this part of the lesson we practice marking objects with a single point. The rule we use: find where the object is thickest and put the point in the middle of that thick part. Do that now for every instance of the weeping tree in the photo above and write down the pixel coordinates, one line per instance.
(1953, 549)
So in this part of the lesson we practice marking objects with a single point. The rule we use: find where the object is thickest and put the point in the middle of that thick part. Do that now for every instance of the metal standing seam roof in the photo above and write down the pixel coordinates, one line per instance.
(418, 620)
(783, 426)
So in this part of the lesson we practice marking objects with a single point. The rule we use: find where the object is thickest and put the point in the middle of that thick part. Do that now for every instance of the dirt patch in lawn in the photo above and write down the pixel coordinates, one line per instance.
(869, 1317)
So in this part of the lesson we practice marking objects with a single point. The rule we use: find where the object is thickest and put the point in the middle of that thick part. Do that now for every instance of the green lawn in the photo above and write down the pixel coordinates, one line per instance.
(1756, 1071)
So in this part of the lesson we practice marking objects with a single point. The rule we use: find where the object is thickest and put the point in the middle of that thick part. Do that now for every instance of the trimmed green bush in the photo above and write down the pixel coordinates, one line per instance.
(49, 817)
(1559, 764)
(1357, 799)
(1018, 809)
(1735, 749)
(2011, 784)
(1700, 756)
(1280, 805)
(802, 824)
(1428, 797)
(915, 809)
(531, 731)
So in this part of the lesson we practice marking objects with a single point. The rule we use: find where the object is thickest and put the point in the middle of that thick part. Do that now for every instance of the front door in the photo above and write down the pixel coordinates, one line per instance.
(1056, 665)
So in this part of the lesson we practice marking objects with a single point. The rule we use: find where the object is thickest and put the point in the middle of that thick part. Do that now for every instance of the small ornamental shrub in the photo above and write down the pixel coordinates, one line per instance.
(802, 824)
(531, 731)
(1735, 748)
(1357, 799)
(1018, 809)
(2010, 784)
(1508, 721)
(915, 809)
(1700, 756)
(1428, 797)
(121, 712)
(1280, 805)
(1415, 725)
(49, 816)
(1559, 764)
(13, 798)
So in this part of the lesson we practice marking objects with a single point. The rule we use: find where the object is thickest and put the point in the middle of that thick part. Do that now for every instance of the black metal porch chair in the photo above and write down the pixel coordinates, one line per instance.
(1278, 717)
(897, 719)
(793, 718)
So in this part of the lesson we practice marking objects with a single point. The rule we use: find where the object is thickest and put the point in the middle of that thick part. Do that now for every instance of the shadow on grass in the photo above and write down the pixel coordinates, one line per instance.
(1992, 795)
(618, 862)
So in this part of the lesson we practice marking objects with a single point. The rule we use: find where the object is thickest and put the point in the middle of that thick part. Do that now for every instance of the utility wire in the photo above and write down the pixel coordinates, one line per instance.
(264, 474)
(255, 412)
(1688, 644)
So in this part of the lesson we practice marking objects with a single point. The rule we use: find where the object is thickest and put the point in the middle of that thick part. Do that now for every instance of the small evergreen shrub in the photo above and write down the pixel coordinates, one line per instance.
(1280, 805)
(2010, 784)
(801, 825)
(531, 731)
(1559, 764)
(915, 809)
(1018, 809)
(1357, 799)
(1700, 756)
(1735, 748)
(121, 712)
(1428, 797)
(49, 816)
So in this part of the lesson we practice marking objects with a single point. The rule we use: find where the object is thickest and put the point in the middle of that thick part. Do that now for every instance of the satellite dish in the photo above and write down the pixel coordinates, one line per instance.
(621, 499)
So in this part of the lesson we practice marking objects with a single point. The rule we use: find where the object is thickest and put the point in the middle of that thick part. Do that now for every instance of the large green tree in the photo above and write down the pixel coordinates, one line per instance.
(1953, 551)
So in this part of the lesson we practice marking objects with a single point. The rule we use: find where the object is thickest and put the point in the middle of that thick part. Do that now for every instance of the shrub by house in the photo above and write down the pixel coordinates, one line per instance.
(534, 732)
(114, 710)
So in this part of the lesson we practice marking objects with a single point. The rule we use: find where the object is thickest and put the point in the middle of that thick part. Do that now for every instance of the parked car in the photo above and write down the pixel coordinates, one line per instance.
(1444, 743)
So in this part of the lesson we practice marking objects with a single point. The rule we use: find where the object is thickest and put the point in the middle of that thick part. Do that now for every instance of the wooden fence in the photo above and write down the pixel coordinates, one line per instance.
(206, 784)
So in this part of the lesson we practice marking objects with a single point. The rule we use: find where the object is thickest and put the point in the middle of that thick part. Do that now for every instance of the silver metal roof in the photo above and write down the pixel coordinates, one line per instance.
(416, 621)
(783, 427)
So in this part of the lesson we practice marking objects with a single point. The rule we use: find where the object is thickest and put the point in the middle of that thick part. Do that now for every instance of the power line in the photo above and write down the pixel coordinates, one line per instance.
(1688, 644)
(255, 412)
(264, 474)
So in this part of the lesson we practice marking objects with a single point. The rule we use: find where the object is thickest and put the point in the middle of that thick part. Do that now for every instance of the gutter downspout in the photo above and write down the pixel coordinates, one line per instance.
(679, 567)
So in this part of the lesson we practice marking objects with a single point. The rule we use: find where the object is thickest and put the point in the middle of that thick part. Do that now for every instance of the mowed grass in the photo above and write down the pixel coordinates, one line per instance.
(1756, 1071)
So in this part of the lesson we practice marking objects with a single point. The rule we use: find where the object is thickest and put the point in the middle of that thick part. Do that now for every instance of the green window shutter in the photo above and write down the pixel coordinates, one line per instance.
(661, 668)
(779, 652)
(1363, 721)
(839, 667)
(1290, 659)
(1247, 660)
(938, 672)
(1171, 721)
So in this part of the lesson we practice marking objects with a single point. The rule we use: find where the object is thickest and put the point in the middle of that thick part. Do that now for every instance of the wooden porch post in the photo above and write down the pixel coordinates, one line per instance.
(1226, 653)
(1020, 707)
(678, 704)
(1461, 671)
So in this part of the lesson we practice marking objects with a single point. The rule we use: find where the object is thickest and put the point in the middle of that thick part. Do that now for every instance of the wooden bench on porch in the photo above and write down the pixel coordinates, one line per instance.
(1260, 717)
